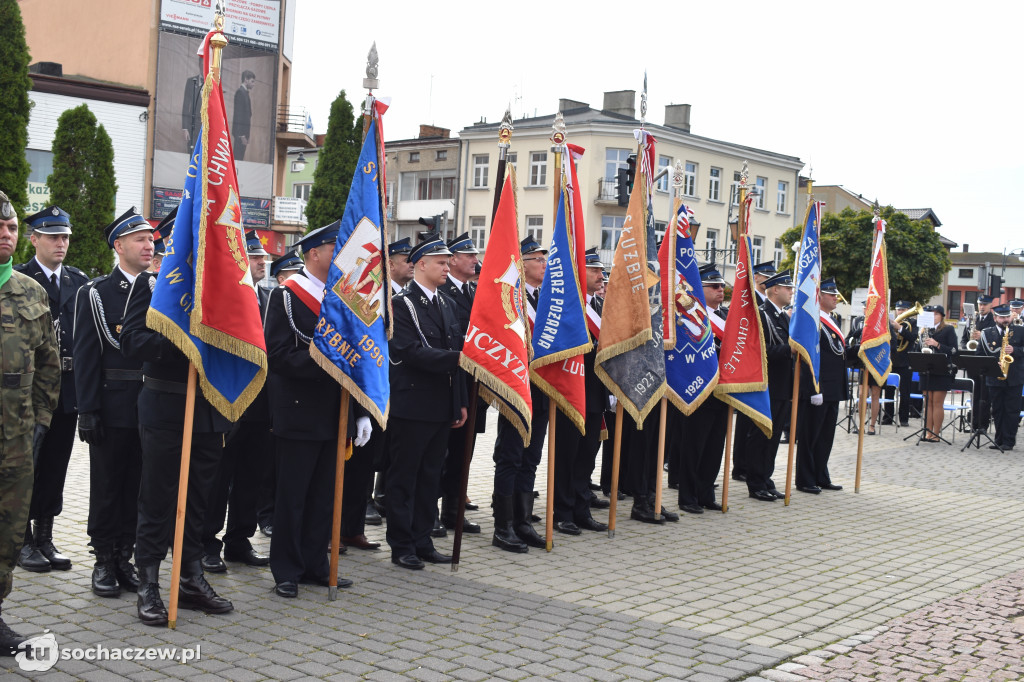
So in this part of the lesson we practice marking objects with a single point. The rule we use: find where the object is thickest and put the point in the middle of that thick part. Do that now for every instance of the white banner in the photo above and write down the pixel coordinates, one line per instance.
(254, 23)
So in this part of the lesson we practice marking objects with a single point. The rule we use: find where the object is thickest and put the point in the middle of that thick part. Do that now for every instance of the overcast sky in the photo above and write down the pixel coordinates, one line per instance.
(917, 104)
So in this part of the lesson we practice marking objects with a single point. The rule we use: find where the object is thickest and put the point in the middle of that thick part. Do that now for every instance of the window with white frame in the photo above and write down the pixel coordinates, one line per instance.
(441, 155)
(511, 158)
(778, 254)
(538, 169)
(734, 193)
(780, 203)
(659, 229)
(710, 241)
(300, 190)
(732, 251)
(756, 249)
(535, 228)
(690, 179)
(715, 185)
(422, 185)
(614, 159)
(414, 157)
(762, 188)
(480, 165)
(611, 228)
(478, 231)
(664, 162)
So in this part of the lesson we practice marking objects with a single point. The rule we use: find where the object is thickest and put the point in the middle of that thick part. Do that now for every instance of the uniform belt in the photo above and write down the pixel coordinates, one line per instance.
(67, 364)
(123, 374)
(18, 380)
(164, 386)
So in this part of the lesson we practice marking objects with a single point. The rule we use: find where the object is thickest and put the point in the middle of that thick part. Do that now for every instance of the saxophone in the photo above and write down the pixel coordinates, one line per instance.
(1005, 359)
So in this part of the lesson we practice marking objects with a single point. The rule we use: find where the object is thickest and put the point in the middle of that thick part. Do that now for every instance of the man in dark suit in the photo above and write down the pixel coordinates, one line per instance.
(816, 421)
(51, 232)
(248, 453)
(108, 388)
(1005, 392)
(515, 466)
(241, 119)
(161, 403)
(427, 401)
(761, 450)
(461, 269)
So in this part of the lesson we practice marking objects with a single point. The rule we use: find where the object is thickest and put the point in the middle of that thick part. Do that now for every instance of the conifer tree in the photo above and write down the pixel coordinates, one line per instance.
(336, 162)
(14, 88)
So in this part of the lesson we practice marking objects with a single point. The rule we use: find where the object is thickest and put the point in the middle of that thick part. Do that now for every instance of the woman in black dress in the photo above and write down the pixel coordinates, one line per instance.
(935, 385)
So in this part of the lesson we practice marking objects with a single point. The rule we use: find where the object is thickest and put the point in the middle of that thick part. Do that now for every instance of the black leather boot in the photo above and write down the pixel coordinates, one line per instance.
(150, 606)
(30, 558)
(504, 537)
(9, 639)
(44, 541)
(522, 512)
(196, 594)
(104, 574)
(450, 514)
(127, 577)
(643, 510)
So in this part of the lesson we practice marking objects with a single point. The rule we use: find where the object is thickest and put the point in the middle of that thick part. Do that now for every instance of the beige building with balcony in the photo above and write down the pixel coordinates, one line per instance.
(712, 169)
(423, 182)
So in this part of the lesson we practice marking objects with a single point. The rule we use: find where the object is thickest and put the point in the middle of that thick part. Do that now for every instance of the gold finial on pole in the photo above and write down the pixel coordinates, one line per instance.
(678, 177)
(505, 133)
(744, 174)
(218, 41)
(558, 147)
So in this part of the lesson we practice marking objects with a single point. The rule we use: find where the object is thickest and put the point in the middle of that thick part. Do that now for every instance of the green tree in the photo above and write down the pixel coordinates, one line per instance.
(14, 88)
(917, 260)
(82, 183)
(336, 162)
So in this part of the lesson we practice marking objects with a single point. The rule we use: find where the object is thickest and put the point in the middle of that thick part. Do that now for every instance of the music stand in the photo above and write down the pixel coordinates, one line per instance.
(981, 366)
(851, 415)
(925, 364)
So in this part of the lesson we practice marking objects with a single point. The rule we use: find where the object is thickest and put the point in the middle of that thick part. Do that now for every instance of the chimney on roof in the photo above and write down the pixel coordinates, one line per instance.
(678, 116)
(565, 105)
(621, 102)
(967, 248)
(47, 69)
(433, 131)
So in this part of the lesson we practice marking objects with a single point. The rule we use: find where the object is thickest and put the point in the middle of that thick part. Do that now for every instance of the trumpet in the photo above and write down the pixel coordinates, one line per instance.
(1005, 359)
(901, 321)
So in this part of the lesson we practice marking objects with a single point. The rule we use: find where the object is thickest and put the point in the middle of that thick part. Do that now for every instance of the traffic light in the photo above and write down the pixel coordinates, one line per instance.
(631, 170)
(995, 286)
(433, 224)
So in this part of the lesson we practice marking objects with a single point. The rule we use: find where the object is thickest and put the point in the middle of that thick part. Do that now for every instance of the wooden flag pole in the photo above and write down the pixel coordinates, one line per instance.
(339, 492)
(616, 453)
(792, 429)
(460, 516)
(661, 456)
(728, 460)
(549, 520)
(179, 522)
(860, 428)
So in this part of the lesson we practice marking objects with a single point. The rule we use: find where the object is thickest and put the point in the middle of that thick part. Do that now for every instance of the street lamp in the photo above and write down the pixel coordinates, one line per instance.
(299, 164)
(996, 290)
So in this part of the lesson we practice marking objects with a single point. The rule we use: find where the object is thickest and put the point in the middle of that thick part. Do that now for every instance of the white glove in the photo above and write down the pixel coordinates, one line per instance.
(816, 400)
(363, 430)
(612, 401)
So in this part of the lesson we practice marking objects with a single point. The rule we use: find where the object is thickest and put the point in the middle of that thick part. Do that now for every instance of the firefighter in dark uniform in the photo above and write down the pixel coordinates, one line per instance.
(700, 437)
(304, 405)
(107, 387)
(983, 319)
(161, 422)
(427, 400)
(248, 453)
(461, 268)
(907, 334)
(819, 410)
(575, 454)
(761, 450)
(1005, 392)
(51, 232)
(515, 466)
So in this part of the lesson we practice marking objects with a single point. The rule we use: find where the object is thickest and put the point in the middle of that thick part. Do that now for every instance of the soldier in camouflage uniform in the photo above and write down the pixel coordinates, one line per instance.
(28, 396)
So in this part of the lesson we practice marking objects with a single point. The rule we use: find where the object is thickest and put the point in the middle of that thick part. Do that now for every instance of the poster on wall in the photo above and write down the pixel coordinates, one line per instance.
(253, 23)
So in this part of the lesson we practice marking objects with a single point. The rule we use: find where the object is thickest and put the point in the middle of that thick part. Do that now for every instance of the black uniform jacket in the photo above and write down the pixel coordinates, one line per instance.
(595, 390)
(425, 352)
(992, 343)
(831, 369)
(983, 322)
(908, 334)
(63, 313)
(107, 383)
(777, 351)
(162, 403)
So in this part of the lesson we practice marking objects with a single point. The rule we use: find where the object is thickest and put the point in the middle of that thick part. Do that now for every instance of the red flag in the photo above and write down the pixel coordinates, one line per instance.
(496, 351)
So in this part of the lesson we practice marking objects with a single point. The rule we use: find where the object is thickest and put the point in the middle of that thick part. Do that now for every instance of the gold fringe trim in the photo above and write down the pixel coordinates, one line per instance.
(348, 384)
(560, 355)
(159, 322)
(705, 393)
(802, 353)
(763, 423)
(571, 413)
(489, 397)
(508, 400)
(862, 354)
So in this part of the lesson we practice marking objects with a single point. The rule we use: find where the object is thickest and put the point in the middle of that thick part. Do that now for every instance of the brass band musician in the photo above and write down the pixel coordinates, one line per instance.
(1006, 341)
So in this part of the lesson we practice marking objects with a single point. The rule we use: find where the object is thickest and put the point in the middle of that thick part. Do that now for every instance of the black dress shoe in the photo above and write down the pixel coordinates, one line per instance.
(739, 477)
(673, 486)
(691, 508)
(645, 514)
(196, 594)
(150, 606)
(595, 487)
(599, 503)
(267, 529)
(212, 563)
(712, 506)
(994, 446)
(779, 495)
(287, 589)
(671, 517)
(830, 486)
(360, 542)
(903, 423)
(438, 531)
(322, 581)
(472, 507)
(10, 640)
(434, 557)
(567, 527)
(812, 489)
(763, 495)
(31, 559)
(247, 556)
(372, 516)
(590, 523)
(410, 561)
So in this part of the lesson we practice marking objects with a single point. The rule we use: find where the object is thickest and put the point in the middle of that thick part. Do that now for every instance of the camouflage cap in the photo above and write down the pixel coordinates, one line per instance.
(6, 210)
